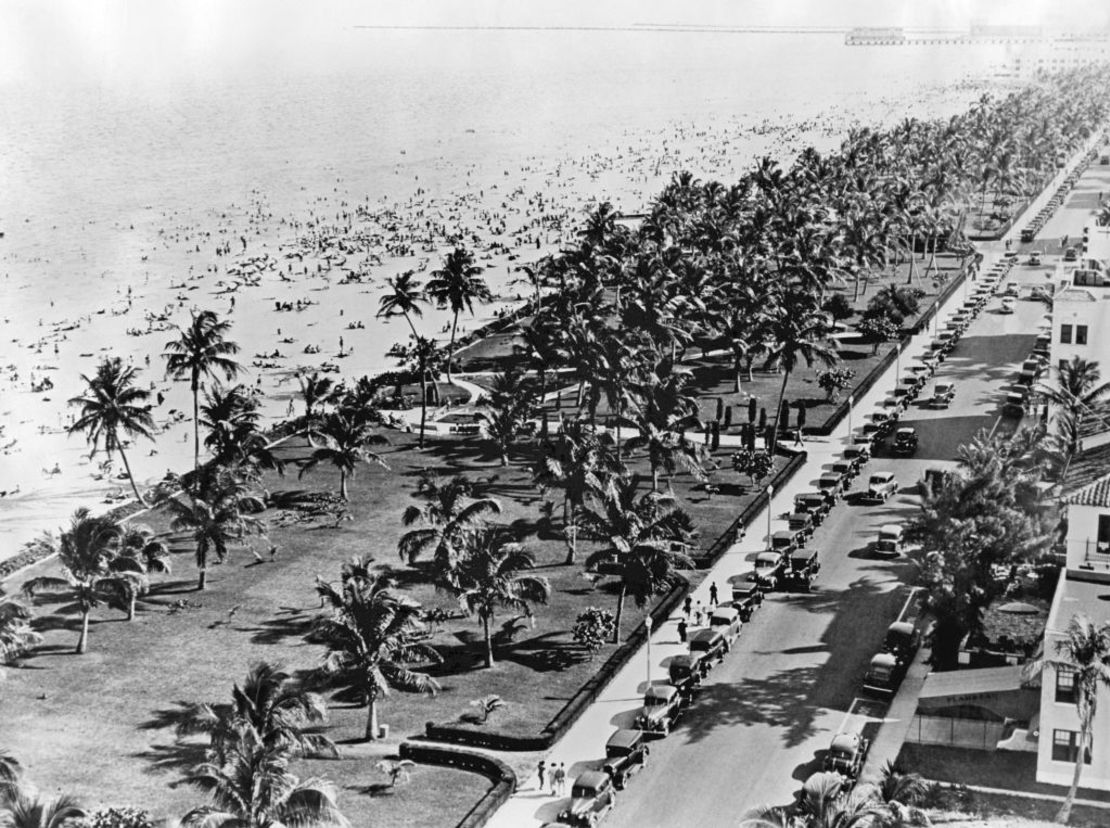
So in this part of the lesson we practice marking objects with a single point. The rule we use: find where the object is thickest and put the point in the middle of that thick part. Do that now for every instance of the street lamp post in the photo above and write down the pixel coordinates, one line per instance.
(770, 494)
(851, 402)
(647, 626)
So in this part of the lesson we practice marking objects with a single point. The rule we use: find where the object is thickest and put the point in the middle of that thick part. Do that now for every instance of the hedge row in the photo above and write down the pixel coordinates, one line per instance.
(500, 774)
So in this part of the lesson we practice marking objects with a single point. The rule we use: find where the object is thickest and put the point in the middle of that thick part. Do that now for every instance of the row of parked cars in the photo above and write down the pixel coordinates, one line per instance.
(1030, 230)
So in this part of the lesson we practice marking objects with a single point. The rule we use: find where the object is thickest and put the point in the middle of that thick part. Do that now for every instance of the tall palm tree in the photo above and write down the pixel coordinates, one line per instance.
(1078, 386)
(254, 789)
(16, 638)
(450, 511)
(89, 554)
(200, 351)
(456, 286)
(112, 408)
(577, 461)
(10, 773)
(799, 332)
(29, 809)
(489, 575)
(347, 441)
(373, 637)
(423, 357)
(217, 516)
(272, 706)
(1083, 649)
(403, 299)
(644, 536)
(231, 418)
(665, 410)
(316, 392)
(509, 407)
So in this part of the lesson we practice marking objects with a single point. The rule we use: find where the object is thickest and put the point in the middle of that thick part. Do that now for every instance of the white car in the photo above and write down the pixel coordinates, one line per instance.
(1035, 257)
(1007, 305)
(881, 486)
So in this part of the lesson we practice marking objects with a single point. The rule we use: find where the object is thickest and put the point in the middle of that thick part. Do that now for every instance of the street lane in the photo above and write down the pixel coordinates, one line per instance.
(765, 716)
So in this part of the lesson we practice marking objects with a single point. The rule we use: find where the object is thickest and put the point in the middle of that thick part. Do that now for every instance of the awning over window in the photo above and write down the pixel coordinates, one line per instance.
(997, 691)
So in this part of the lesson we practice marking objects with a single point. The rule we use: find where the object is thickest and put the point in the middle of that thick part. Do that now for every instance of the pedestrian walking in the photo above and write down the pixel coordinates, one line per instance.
(687, 606)
(682, 630)
(698, 613)
(713, 593)
(273, 551)
(541, 774)
(560, 779)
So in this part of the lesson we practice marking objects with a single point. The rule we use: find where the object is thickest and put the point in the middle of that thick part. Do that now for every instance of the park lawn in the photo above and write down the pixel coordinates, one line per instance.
(95, 725)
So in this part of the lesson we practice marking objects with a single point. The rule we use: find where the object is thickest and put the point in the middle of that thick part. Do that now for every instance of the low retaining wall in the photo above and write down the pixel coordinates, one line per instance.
(500, 774)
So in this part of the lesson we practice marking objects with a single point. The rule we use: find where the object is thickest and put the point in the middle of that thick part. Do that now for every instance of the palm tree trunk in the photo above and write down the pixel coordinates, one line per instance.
(202, 581)
(489, 641)
(778, 416)
(83, 641)
(617, 426)
(737, 372)
(654, 477)
(130, 476)
(131, 607)
(451, 346)
(423, 407)
(1064, 813)
(372, 727)
(570, 533)
(343, 484)
(196, 434)
(620, 614)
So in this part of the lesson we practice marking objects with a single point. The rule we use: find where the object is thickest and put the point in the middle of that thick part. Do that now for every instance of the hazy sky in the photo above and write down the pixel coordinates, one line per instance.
(115, 40)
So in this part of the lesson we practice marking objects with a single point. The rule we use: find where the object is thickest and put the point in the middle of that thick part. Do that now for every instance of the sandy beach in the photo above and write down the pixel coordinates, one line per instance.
(298, 270)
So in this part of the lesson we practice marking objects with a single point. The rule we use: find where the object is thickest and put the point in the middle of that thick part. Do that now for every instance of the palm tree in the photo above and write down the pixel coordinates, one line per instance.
(451, 511)
(423, 358)
(140, 553)
(269, 704)
(347, 439)
(1078, 387)
(403, 299)
(488, 576)
(578, 462)
(510, 406)
(316, 391)
(665, 410)
(1084, 650)
(456, 286)
(824, 804)
(89, 554)
(645, 537)
(231, 417)
(798, 332)
(111, 408)
(900, 793)
(29, 809)
(218, 515)
(16, 639)
(254, 789)
(201, 351)
(10, 773)
(373, 636)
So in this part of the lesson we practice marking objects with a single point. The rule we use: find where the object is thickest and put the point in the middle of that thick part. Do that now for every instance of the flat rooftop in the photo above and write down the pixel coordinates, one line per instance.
(1086, 592)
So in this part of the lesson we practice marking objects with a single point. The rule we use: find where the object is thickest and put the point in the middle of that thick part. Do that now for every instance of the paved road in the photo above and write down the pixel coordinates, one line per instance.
(765, 716)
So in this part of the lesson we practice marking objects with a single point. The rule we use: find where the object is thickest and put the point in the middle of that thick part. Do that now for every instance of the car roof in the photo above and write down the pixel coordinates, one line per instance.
(767, 557)
(784, 533)
(704, 634)
(811, 495)
(804, 555)
(725, 609)
(883, 475)
(666, 691)
(592, 779)
(890, 529)
(685, 659)
(902, 628)
(883, 660)
(845, 742)
(625, 738)
(905, 432)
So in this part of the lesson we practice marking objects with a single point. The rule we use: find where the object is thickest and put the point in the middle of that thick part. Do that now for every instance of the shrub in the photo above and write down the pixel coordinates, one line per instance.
(118, 818)
(878, 329)
(593, 629)
(838, 307)
(756, 464)
(834, 380)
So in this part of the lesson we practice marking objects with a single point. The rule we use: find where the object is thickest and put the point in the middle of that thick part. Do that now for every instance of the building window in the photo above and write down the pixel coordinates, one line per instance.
(1065, 686)
(1080, 334)
(1065, 334)
(1065, 747)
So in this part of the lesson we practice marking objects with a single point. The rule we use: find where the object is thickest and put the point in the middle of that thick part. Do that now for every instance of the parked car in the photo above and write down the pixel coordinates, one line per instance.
(846, 469)
(709, 644)
(1028, 234)
(902, 640)
(1030, 370)
(746, 598)
(883, 676)
(726, 620)
(830, 485)
(802, 570)
(625, 753)
(1071, 254)
(846, 755)
(943, 393)
(592, 796)
(661, 708)
(768, 571)
(1035, 257)
(801, 523)
(905, 442)
(1015, 402)
(890, 539)
(686, 672)
(814, 503)
(881, 486)
(858, 454)
(785, 541)
(1007, 305)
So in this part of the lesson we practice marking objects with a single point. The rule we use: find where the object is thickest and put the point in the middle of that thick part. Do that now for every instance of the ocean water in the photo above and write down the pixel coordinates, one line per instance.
(114, 195)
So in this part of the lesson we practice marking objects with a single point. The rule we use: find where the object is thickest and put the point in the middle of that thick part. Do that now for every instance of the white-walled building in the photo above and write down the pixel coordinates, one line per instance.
(1084, 587)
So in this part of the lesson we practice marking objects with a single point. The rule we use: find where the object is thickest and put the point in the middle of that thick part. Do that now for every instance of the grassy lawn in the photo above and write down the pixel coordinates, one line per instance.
(64, 715)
